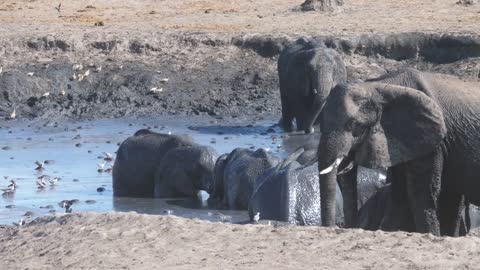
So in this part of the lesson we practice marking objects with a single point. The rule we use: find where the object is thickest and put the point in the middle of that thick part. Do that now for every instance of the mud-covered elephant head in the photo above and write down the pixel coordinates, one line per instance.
(374, 125)
(307, 72)
(184, 171)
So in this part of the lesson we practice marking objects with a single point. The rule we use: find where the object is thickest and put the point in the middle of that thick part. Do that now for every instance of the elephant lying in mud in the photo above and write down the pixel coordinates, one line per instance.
(290, 192)
(151, 164)
(424, 127)
(307, 72)
(235, 175)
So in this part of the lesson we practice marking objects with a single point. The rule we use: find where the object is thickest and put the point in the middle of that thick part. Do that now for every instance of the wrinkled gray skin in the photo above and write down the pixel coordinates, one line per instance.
(424, 127)
(307, 72)
(151, 164)
(235, 176)
(290, 193)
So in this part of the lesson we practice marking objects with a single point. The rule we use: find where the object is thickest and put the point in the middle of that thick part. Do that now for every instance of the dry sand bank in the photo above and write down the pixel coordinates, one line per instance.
(135, 241)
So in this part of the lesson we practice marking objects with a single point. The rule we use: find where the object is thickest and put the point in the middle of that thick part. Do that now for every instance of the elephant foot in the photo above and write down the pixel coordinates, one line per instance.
(286, 125)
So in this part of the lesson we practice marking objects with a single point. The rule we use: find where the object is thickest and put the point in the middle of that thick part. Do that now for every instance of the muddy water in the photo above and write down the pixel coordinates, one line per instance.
(76, 149)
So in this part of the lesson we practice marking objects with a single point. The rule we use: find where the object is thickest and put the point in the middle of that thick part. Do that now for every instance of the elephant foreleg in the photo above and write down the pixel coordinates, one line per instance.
(423, 178)
(398, 215)
(287, 114)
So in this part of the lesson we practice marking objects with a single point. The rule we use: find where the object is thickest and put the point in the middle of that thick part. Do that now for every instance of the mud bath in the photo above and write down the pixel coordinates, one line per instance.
(77, 149)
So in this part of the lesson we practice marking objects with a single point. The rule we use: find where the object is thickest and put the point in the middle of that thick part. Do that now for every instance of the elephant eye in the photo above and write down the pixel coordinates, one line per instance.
(355, 127)
(350, 125)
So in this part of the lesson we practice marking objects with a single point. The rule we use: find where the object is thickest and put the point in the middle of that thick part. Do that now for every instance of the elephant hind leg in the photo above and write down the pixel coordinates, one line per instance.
(452, 207)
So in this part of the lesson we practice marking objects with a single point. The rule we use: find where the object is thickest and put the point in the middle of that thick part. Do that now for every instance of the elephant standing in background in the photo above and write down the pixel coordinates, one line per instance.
(151, 164)
(307, 72)
(424, 127)
(235, 176)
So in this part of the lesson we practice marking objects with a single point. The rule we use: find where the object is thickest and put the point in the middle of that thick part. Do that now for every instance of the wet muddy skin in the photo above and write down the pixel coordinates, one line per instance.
(77, 148)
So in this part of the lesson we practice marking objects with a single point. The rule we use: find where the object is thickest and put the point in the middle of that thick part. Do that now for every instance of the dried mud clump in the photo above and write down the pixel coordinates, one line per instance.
(322, 5)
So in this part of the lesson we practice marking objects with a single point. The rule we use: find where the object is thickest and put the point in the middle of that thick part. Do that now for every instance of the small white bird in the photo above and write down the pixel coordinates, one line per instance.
(67, 205)
(53, 181)
(13, 115)
(40, 165)
(77, 67)
(256, 218)
(164, 80)
(98, 69)
(58, 8)
(30, 74)
(62, 93)
(10, 189)
(20, 223)
(1, 69)
(86, 73)
(225, 218)
(41, 184)
(100, 167)
(13, 184)
(156, 90)
(46, 94)
(107, 156)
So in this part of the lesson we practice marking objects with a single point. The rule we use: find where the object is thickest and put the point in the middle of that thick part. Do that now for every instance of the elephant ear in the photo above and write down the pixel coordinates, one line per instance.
(409, 124)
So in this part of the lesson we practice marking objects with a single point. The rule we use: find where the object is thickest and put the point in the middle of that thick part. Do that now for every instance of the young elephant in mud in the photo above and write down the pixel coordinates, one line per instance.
(235, 176)
(159, 165)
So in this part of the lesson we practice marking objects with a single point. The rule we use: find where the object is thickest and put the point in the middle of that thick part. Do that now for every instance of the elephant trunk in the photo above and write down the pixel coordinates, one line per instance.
(328, 187)
(321, 85)
(332, 149)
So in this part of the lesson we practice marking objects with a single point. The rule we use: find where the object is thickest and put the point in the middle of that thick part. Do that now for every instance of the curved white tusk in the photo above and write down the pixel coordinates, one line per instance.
(347, 169)
(333, 166)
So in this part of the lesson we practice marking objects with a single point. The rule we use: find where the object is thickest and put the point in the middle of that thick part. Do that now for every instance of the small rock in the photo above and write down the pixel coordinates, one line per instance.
(100, 189)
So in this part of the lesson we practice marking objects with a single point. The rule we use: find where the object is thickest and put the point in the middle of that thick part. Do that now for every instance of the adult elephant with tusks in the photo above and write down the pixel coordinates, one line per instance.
(307, 71)
(151, 164)
(423, 127)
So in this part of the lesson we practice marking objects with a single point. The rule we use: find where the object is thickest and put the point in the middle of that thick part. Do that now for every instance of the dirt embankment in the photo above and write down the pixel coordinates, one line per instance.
(219, 56)
(221, 75)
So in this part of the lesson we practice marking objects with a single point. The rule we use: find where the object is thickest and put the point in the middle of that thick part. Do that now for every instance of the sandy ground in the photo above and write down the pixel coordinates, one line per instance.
(35, 37)
(134, 241)
(359, 16)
